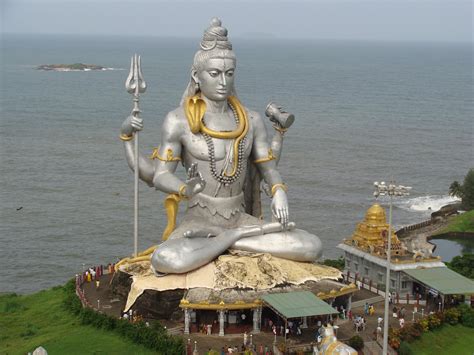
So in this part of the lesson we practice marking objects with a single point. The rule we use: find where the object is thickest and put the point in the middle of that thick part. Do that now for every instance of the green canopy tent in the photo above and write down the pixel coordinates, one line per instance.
(445, 281)
(296, 305)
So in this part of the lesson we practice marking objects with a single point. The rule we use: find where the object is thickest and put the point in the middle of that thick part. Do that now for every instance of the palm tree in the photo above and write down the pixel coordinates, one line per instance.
(456, 189)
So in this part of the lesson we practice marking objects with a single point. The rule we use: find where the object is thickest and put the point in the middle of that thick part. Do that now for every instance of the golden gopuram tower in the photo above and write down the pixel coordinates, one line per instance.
(371, 235)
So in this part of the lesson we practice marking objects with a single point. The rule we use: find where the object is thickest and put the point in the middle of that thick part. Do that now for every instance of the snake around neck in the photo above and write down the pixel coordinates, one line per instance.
(195, 109)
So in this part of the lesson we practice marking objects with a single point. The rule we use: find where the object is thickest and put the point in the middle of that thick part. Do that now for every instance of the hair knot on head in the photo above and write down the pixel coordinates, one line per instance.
(215, 36)
(214, 45)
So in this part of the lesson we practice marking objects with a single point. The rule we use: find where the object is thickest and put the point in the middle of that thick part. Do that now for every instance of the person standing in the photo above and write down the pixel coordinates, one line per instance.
(402, 322)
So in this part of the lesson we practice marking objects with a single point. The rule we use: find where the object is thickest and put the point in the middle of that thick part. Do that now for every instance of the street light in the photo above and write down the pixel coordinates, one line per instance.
(381, 189)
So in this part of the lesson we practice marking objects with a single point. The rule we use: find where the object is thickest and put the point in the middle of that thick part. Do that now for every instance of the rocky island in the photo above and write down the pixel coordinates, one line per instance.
(70, 67)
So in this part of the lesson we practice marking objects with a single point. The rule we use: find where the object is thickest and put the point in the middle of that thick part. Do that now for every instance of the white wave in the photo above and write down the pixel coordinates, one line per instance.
(428, 203)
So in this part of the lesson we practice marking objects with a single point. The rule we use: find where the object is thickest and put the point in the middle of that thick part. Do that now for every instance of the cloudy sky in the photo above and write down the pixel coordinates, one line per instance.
(404, 20)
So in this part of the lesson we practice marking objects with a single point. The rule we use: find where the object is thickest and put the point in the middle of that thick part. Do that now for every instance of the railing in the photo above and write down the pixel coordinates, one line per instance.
(402, 231)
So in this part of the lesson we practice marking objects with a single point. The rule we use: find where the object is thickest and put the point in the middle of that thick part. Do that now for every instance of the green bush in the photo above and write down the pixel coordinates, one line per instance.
(468, 191)
(410, 332)
(405, 349)
(153, 337)
(356, 342)
(12, 307)
(463, 264)
(467, 315)
(452, 316)
(394, 338)
(434, 321)
(339, 263)
(417, 330)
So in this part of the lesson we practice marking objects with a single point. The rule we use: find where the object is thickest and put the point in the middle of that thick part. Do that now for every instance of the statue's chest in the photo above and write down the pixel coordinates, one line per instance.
(197, 146)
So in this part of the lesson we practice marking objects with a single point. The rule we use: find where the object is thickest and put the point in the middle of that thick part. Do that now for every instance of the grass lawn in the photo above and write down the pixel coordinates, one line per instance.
(29, 321)
(462, 223)
(448, 340)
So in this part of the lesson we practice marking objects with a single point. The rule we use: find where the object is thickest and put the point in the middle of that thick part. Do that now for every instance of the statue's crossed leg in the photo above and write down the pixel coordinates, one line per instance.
(203, 244)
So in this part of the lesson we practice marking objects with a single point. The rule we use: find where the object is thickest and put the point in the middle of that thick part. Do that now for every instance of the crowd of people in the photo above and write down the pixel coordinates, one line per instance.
(243, 349)
(94, 273)
(278, 328)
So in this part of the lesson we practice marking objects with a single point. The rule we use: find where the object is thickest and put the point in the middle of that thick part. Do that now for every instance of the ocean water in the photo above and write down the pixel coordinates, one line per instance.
(365, 111)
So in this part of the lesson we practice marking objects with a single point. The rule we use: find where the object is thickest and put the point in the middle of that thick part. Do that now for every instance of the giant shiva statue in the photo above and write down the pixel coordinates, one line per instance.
(218, 141)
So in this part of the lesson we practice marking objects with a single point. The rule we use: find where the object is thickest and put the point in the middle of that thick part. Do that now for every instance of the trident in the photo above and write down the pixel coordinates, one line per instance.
(135, 85)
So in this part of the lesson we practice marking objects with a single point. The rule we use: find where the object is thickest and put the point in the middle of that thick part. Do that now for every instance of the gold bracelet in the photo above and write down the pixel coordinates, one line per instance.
(277, 186)
(126, 138)
(181, 191)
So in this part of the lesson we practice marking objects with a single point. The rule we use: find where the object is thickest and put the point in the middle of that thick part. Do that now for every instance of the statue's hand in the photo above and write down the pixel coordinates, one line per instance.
(280, 206)
(195, 183)
(131, 125)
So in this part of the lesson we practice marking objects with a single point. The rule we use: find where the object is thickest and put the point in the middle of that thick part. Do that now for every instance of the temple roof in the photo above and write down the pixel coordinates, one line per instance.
(372, 233)
(371, 238)
(375, 215)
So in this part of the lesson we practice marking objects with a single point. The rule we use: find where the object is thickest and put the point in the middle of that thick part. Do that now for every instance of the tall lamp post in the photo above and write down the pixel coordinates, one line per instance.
(381, 189)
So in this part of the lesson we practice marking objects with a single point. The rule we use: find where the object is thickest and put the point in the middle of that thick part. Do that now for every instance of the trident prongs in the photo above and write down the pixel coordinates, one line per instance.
(135, 77)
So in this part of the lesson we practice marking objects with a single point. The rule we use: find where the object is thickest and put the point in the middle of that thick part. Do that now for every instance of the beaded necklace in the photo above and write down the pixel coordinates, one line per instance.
(222, 177)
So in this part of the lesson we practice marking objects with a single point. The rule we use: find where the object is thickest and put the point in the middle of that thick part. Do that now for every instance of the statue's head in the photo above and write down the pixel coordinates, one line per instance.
(214, 64)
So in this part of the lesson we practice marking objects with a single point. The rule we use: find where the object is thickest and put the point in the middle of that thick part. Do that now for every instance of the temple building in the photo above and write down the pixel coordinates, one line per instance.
(366, 255)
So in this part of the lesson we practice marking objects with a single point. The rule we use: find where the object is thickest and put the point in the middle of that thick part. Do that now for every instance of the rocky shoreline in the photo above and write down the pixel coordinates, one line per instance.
(70, 67)
(423, 232)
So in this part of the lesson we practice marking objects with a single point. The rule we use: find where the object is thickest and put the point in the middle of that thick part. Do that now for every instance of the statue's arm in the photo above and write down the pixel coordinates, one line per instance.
(146, 166)
(265, 160)
(262, 155)
(169, 154)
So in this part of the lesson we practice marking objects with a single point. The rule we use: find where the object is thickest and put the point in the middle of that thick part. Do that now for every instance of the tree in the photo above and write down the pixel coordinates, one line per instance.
(337, 263)
(468, 191)
(464, 191)
(455, 189)
(463, 265)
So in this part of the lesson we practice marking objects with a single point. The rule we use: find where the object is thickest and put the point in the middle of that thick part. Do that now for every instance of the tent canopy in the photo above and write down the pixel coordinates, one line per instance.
(443, 280)
(297, 304)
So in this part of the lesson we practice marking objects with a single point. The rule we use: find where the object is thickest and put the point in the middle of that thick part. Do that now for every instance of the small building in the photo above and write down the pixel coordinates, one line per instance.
(229, 311)
(444, 285)
(366, 255)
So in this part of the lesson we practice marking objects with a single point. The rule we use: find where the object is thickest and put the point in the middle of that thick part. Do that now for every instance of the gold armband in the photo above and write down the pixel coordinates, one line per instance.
(181, 191)
(279, 186)
(126, 138)
(268, 158)
(280, 129)
(169, 155)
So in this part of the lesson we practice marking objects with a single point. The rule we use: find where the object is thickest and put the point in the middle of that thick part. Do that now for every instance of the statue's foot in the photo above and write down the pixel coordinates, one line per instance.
(203, 232)
(157, 273)
(296, 244)
(267, 228)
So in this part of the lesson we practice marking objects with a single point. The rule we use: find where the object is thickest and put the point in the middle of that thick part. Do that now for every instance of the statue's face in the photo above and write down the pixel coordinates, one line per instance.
(216, 78)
